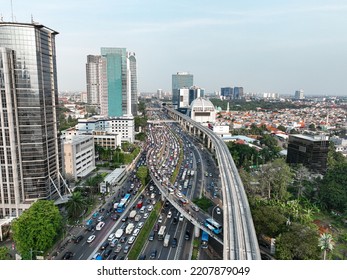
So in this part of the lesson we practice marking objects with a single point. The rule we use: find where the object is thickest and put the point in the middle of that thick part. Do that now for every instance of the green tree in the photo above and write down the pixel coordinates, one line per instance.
(301, 174)
(326, 243)
(5, 254)
(76, 205)
(334, 158)
(143, 174)
(141, 136)
(268, 220)
(140, 122)
(274, 179)
(37, 228)
(333, 188)
(299, 242)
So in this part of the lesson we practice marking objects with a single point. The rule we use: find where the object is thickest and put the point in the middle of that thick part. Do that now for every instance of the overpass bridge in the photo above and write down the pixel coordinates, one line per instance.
(239, 239)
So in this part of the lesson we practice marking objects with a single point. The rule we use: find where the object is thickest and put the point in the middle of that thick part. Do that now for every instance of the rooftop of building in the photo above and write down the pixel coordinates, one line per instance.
(311, 137)
(203, 103)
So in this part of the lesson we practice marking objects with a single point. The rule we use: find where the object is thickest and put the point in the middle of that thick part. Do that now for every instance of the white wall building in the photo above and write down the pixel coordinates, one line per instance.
(125, 126)
(78, 155)
(202, 111)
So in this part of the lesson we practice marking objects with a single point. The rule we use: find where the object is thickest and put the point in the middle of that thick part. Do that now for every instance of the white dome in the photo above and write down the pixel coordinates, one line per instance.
(201, 104)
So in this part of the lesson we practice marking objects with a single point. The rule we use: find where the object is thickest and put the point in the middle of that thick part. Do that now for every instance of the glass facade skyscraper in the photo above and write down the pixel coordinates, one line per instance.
(180, 80)
(30, 161)
(116, 61)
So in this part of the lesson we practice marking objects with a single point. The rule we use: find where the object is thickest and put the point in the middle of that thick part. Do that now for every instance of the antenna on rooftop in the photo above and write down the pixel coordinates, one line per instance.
(12, 11)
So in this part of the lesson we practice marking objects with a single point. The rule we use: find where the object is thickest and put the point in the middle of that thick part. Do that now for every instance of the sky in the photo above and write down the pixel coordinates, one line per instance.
(264, 46)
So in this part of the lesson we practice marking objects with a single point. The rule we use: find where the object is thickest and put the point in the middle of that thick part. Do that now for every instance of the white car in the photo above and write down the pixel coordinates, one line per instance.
(91, 238)
(131, 239)
(169, 215)
(179, 194)
(181, 218)
(145, 216)
(150, 208)
(160, 219)
(136, 232)
(100, 225)
(140, 225)
(111, 236)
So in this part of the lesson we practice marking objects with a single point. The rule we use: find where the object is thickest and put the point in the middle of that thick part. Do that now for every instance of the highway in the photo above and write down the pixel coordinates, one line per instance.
(240, 241)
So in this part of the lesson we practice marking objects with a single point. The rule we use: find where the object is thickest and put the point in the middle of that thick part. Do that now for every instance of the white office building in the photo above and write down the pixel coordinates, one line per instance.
(78, 156)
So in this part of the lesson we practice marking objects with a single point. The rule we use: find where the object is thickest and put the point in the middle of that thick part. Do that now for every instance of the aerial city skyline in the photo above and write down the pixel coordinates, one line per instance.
(186, 136)
(271, 47)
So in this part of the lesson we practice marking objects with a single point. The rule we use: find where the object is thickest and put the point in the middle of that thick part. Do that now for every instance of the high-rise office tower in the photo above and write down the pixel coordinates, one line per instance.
(96, 79)
(299, 94)
(133, 80)
(180, 80)
(195, 92)
(30, 152)
(119, 96)
(227, 92)
(238, 93)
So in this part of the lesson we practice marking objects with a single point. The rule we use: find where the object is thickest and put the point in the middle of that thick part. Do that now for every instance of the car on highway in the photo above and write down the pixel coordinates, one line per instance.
(114, 242)
(140, 224)
(181, 218)
(218, 211)
(100, 225)
(100, 218)
(78, 239)
(153, 254)
(150, 208)
(160, 219)
(187, 235)
(104, 245)
(131, 239)
(126, 249)
(195, 208)
(97, 256)
(118, 248)
(111, 236)
(107, 253)
(123, 239)
(174, 242)
(169, 215)
(68, 255)
(145, 216)
(135, 232)
(91, 238)
(179, 194)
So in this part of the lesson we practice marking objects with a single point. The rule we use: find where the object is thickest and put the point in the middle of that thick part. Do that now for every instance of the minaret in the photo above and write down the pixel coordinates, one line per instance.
(228, 107)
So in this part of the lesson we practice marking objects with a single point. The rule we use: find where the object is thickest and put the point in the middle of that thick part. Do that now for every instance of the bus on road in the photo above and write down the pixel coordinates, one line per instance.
(123, 203)
(204, 239)
(161, 232)
(213, 226)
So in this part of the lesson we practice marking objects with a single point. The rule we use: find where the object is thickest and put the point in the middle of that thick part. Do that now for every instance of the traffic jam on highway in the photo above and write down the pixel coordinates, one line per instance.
(111, 231)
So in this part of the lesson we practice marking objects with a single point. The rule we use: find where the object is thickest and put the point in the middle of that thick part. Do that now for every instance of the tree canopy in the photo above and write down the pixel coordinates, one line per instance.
(5, 254)
(142, 173)
(37, 228)
(299, 242)
(333, 188)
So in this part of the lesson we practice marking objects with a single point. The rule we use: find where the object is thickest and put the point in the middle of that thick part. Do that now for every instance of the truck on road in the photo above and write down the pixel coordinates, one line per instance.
(166, 240)
(129, 229)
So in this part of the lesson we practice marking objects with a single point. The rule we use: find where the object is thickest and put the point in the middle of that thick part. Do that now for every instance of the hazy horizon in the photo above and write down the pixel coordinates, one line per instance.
(262, 46)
